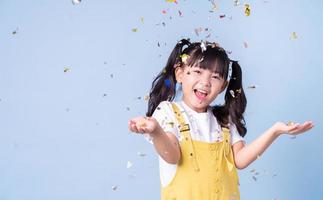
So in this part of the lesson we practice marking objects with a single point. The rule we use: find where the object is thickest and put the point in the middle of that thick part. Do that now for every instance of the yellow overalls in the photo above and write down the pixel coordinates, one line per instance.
(206, 171)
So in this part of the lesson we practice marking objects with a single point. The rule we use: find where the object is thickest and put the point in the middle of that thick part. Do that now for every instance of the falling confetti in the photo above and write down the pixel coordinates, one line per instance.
(142, 19)
(254, 178)
(252, 86)
(253, 170)
(66, 69)
(290, 123)
(111, 75)
(164, 11)
(146, 98)
(245, 44)
(184, 58)
(294, 36)
(198, 30)
(171, 1)
(134, 30)
(222, 16)
(203, 46)
(104, 95)
(232, 93)
(236, 2)
(15, 31)
(180, 13)
(167, 83)
(114, 188)
(247, 10)
(128, 108)
(76, 2)
(129, 164)
(141, 154)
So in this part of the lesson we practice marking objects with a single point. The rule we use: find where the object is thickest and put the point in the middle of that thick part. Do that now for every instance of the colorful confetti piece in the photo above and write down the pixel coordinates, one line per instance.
(114, 188)
(134, 30)
(247, 10)
(129, 164)
(294, 36)
(76, 2)
(184, 58)
(66, 69)
(167, 83)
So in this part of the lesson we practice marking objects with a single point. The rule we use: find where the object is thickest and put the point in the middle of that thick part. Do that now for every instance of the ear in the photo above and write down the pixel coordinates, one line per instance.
(224, 86)
(179, 71)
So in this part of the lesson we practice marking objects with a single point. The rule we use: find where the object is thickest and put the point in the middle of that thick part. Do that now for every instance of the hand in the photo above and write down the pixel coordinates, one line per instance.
(143, 125)
(292, 128)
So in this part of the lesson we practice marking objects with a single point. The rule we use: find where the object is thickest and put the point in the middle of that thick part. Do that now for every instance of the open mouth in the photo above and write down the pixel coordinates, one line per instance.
(200, 94)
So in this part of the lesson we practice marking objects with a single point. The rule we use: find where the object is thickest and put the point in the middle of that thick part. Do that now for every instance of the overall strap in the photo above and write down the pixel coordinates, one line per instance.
(184, 129)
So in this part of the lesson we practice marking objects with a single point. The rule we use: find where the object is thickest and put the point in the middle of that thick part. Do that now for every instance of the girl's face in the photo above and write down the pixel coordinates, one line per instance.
(200, 86)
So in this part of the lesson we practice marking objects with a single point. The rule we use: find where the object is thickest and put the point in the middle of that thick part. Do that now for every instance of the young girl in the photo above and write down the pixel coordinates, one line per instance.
(201, 146)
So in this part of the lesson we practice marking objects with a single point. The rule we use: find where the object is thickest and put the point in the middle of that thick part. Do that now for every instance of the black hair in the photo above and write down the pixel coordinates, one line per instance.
(205, 55)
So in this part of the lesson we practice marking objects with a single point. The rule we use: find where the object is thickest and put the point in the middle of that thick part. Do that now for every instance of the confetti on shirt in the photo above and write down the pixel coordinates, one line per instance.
(76, 2)
(247, 10)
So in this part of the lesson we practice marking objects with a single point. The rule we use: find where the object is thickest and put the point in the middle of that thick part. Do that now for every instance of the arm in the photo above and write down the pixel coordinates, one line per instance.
(166, 144)
(245, 155)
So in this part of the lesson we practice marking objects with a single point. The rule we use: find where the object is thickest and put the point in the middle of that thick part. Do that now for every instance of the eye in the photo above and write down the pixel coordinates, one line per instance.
(197, 71)
(216, 77)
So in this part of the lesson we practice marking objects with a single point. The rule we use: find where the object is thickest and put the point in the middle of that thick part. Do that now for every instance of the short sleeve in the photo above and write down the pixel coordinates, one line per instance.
(235, 136)
(165, 117)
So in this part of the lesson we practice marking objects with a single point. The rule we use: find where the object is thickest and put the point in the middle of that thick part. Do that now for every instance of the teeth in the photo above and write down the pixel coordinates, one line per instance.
(202, 91)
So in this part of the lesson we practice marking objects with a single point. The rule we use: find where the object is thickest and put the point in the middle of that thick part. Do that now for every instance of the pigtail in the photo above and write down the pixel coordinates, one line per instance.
(164, 85)
(235, 102)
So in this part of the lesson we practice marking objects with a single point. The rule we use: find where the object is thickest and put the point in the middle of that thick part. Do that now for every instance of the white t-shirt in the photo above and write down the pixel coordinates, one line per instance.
(203, 127)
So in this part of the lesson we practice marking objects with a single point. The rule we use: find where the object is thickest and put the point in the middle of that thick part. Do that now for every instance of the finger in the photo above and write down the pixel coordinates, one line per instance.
(134, 128)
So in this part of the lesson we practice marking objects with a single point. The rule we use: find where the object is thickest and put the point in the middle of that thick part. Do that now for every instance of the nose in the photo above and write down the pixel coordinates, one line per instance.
(206, 80)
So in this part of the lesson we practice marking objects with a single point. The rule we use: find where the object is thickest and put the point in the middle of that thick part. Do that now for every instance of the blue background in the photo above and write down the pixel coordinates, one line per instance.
(64, 135)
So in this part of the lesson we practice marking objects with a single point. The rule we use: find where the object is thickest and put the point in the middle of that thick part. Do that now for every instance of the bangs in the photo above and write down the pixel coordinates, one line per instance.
(211, 59)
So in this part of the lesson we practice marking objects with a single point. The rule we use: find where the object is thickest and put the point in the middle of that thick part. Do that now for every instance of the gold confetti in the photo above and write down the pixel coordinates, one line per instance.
(247, 10)
(134, 30)
(146, 97)
(142, 122)
(290, 123)
(239, 91)
(66, 69)
(184, 57)
(294, 36)
(142, 19)
(170, 124)
(164, 71)
(171, 1)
